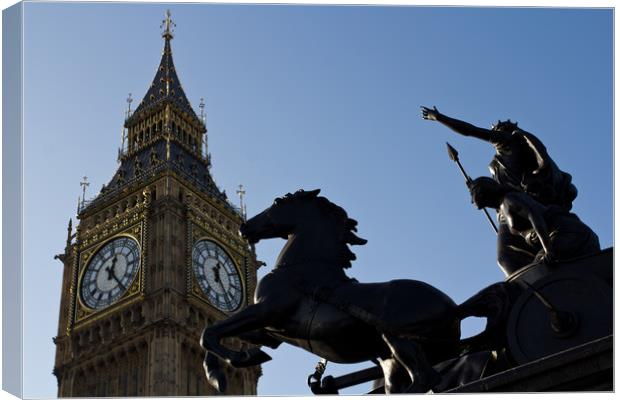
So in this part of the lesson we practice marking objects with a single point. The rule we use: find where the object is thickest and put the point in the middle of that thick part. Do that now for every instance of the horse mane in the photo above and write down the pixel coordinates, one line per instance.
(348, 236)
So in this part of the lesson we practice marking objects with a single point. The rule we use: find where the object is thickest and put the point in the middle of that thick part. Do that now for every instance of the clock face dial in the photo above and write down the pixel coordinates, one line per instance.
(217, 275)
(110, 272)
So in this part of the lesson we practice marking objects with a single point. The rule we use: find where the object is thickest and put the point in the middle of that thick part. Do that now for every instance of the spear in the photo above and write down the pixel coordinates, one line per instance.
(454, 156)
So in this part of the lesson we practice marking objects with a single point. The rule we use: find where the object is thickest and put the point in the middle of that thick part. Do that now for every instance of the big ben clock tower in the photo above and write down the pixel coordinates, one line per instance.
(155, 257)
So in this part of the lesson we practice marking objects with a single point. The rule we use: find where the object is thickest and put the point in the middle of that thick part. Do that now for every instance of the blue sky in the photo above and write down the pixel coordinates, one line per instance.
(317, 97)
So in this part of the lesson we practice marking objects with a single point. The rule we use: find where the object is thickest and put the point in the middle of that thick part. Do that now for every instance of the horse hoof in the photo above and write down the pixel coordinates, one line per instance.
(217, 380)
(257, 356)
(253, 356)
(215, 376)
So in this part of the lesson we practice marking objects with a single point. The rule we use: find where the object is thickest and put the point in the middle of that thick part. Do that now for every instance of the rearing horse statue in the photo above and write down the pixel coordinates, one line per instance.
(307, 300)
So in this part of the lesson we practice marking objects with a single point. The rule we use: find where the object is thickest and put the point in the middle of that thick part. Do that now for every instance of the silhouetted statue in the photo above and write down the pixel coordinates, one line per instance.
(521, 162)
(307, 300)
(556, 233)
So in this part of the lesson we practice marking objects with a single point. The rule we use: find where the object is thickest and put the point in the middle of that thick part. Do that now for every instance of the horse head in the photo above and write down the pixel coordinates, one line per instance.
(293, 213)
(279, 220)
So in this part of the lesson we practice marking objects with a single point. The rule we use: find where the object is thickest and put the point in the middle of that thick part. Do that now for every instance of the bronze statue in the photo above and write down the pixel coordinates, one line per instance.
(556, 233)
(521, 162)
(405, 326)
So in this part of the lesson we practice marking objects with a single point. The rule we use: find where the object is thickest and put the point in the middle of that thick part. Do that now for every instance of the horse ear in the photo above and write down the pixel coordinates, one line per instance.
(353, 239)
(352, 224)
(313, 193)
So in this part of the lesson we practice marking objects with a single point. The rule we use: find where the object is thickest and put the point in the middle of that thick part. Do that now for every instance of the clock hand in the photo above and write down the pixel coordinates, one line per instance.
(110, 269)
(112, 273)
(120, 283)
(216, 271)
(226, 297)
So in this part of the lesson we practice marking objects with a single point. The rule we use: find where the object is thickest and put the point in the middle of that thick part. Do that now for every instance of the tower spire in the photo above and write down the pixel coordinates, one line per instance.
(165, 86)
(162, 126)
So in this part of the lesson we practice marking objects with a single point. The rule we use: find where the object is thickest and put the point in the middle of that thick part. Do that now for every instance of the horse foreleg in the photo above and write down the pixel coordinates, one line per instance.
(411, 356)
(213, 371)
(250, 318)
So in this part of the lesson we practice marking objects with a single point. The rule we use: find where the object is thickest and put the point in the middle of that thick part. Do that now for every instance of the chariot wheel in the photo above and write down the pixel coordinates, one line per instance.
(558, 312)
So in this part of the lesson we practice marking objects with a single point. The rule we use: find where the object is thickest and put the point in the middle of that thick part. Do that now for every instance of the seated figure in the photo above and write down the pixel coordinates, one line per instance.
(552, 231)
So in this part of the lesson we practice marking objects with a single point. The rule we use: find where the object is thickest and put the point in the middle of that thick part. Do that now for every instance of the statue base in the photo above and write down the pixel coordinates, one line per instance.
(588, 367)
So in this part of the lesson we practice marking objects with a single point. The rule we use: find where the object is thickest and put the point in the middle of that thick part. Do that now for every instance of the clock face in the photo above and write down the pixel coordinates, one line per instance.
(217, 275)
(110, 272)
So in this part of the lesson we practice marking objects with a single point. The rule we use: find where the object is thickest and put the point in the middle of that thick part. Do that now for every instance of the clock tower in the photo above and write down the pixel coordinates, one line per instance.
(155, 257)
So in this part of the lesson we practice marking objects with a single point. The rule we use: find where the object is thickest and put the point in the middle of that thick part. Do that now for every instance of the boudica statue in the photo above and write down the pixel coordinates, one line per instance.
(307, 300)
(409, 329)
(521, 162)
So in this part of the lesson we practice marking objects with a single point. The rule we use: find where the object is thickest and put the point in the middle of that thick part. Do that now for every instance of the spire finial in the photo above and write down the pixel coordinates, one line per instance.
(202, 109)
(69, 232)
(168, 26)
(129, 100)
(241, 193)
(84, 184)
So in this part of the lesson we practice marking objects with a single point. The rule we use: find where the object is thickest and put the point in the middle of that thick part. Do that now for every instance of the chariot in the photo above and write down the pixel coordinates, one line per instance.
(551, 309)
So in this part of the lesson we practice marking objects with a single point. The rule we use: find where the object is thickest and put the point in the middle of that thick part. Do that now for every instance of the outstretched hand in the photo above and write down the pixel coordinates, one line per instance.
(430, 114)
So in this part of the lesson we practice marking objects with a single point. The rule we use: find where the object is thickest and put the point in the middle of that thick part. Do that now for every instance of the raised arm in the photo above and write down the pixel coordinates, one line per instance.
(459, 126)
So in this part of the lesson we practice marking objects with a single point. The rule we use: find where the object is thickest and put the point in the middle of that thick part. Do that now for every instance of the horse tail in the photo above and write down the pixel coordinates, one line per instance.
(492, 302)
